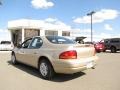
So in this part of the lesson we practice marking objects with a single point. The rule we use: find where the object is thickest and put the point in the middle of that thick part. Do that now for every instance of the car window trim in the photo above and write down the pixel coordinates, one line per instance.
(32, 42)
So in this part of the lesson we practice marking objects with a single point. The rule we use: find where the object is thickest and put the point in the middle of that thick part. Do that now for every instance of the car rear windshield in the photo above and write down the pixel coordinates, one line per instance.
(5, 42)
(60, 40)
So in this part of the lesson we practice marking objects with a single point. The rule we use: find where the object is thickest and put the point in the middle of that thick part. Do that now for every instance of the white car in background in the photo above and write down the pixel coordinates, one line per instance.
(6, 45)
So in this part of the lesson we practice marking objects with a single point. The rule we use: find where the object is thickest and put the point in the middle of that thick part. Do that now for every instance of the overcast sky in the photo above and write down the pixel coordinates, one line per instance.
(71, 14)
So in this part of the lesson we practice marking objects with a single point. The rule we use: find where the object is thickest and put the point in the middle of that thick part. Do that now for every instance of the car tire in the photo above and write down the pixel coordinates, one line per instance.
(113, 50)
(13, 59)
(45, 69)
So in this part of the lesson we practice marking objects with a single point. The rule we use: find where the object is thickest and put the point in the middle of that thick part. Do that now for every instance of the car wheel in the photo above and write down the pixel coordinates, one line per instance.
(13, 59)
(45, 69)
(113, 50)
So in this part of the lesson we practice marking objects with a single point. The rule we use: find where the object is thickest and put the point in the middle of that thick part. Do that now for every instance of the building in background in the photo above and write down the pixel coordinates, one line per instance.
(24, 28)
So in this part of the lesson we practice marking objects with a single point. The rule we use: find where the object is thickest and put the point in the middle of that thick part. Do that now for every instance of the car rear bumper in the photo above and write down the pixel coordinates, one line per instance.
(100, 50)
(73, 66)
(3, 48)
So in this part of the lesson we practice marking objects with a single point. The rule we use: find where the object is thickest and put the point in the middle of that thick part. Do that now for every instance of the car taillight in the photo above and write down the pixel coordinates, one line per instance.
(72, 54)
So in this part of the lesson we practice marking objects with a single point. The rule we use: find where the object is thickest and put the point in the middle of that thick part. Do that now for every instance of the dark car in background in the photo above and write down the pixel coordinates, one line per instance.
(112, 44)
(80, 40)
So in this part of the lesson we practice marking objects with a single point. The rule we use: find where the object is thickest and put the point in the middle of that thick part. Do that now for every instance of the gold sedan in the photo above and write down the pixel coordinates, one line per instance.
(52, 54)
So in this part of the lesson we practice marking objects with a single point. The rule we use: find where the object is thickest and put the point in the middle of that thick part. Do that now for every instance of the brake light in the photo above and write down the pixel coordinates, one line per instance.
(72, 54)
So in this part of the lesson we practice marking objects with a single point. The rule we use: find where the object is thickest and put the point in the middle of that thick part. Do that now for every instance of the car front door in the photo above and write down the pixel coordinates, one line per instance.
(22, 49)
(31, 54)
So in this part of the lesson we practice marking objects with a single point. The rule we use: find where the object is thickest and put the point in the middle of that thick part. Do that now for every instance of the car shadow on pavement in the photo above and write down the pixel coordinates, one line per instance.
(67, 77)
(108, 51)
(25, 68)
(56, 78)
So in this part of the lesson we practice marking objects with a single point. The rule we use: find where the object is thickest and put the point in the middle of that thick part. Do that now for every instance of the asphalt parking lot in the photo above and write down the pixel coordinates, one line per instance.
(106, 76)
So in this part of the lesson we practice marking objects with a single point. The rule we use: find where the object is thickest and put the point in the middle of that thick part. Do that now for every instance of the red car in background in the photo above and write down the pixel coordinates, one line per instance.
(99, 47)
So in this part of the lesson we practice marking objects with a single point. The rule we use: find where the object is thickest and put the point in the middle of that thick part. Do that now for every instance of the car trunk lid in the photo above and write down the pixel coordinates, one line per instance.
(84, 50)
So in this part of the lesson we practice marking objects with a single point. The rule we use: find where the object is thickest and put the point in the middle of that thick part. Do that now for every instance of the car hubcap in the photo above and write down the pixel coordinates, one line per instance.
(113, 49)
(43, 69)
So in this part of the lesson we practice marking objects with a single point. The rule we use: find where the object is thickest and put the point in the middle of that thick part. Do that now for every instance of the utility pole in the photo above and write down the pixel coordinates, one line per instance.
(91, 14)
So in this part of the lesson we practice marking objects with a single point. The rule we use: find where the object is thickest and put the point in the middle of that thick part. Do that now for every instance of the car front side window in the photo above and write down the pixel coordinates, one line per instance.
(26, 43)
(36, 43)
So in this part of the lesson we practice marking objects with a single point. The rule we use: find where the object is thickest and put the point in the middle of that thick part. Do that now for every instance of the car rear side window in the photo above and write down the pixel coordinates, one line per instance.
(114, 41)
(59, 40)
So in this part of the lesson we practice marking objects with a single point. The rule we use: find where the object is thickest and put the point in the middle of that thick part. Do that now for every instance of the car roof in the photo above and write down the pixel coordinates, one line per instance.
(48, 36)
(111, 38)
